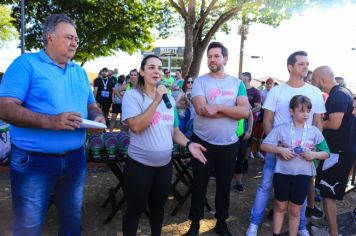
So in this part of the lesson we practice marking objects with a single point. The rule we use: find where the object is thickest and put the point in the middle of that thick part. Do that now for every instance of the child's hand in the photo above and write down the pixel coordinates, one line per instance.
(286, 153)
(308, 155)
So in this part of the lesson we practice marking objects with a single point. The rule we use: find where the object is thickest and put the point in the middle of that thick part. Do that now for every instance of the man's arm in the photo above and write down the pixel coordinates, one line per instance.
(268, 119)
(317, 121)
(241, 110)
(199, 103)
(95, 113)
(256, 107)
(95, 91)
(12, 111)
(334, 121)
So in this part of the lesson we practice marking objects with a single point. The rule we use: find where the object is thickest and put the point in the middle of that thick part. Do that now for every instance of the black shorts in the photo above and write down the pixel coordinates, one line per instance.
(116, 108)
(293, 188)
(332, 182)
(105, 107)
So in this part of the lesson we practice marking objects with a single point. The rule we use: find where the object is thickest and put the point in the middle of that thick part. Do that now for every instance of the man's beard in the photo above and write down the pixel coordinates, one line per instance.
(215, 69)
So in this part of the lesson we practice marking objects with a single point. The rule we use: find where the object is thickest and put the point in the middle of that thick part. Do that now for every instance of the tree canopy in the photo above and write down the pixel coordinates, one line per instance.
(7, 30)
(202, 19)
(102, 26)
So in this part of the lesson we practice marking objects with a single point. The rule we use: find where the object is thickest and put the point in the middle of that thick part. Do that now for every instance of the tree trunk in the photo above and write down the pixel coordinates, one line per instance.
(197, 59)
(188, 49)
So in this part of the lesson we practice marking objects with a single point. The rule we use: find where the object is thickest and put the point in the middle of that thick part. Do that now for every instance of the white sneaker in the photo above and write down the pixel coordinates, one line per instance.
(303, 232)
(259, 155)
(251, 156)
(252, 230)
(320, 231)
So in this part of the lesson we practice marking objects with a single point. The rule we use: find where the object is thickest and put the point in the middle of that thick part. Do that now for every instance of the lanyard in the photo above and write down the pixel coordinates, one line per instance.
(105, 84)
(292, 132)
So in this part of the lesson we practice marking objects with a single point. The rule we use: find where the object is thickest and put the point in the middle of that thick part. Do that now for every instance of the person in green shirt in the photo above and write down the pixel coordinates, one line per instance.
(168, 80)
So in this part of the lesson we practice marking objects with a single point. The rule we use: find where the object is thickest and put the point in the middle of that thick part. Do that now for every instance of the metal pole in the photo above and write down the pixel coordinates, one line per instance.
(242, 48)
(169, 61)
(22, 26)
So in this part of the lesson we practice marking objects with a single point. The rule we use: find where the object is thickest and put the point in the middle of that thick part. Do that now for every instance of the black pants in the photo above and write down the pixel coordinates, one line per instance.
(221, 159)
(241, 152)
(145, 185)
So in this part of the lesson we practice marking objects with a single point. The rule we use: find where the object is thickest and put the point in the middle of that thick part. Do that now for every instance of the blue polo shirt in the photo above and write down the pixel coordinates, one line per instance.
(46, 88)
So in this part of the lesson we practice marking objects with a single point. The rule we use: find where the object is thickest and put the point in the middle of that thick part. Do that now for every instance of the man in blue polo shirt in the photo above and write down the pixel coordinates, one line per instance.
(44, 97)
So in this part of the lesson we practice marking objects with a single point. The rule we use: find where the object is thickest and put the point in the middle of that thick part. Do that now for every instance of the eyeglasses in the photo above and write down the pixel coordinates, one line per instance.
(190, 82)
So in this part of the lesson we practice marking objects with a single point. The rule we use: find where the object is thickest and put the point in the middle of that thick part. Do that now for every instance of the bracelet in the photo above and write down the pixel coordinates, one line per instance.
(187, 144)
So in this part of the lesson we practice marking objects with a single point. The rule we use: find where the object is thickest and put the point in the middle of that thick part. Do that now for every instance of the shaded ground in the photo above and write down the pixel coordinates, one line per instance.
(100, 180)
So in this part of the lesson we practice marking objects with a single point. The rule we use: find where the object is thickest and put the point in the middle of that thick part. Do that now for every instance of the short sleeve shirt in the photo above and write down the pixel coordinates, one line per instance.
(297, 166)
(153, 146)
(279, 97)
(46, 88)
(105, 87)
(254, 96)
(340, 100)
(218, 131)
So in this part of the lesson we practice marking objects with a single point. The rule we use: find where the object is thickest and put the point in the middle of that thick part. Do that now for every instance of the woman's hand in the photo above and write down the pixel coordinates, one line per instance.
(161, 89)
(197, 151)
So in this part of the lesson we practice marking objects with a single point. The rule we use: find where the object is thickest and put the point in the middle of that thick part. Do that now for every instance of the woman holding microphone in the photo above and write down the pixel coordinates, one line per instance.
(152, 127)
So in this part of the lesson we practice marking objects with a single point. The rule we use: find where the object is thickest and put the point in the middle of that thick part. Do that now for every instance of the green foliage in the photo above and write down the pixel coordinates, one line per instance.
(102, 26)
(202, 19)
(7, 30)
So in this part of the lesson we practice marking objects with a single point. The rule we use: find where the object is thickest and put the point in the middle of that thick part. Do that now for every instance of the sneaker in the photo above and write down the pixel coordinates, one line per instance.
(324, 231)
(252, 230)
(260, 155)
(222, 229)
(251, 156)
(303, 232)
(194, 229)
(239, 187)
(315, 212)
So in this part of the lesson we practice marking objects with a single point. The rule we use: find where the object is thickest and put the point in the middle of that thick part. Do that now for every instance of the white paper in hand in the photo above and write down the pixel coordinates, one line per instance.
(92, 124)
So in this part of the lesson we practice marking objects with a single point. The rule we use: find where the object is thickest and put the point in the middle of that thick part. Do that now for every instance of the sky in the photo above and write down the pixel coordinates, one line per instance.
(327, 35)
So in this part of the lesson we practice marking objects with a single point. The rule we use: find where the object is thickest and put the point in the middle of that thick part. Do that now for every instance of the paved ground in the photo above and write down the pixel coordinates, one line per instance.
(100, 180)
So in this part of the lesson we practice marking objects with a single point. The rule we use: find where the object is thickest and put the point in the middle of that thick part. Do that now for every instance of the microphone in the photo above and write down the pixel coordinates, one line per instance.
(165, 97)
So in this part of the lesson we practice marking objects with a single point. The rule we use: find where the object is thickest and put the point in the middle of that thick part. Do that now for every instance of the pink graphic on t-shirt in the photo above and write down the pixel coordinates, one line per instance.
(156, 117)
(214, 93)
(167, 117)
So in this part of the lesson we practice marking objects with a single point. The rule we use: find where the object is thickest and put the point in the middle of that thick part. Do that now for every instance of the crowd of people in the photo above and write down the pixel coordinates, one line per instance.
(303, 129)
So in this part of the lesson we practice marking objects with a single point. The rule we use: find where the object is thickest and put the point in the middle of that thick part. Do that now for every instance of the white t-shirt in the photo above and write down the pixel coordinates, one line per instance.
(279, 97)
(153, 146)
(218, 131)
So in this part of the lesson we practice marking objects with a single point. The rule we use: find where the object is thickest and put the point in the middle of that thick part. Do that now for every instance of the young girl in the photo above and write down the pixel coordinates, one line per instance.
(296, 145)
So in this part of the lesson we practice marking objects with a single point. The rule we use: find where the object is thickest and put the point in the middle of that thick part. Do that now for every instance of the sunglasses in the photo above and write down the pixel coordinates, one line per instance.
(190, 82)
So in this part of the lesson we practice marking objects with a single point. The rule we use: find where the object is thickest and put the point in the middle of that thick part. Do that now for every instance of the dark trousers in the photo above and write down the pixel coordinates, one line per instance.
(145, 185)
(220, 159)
